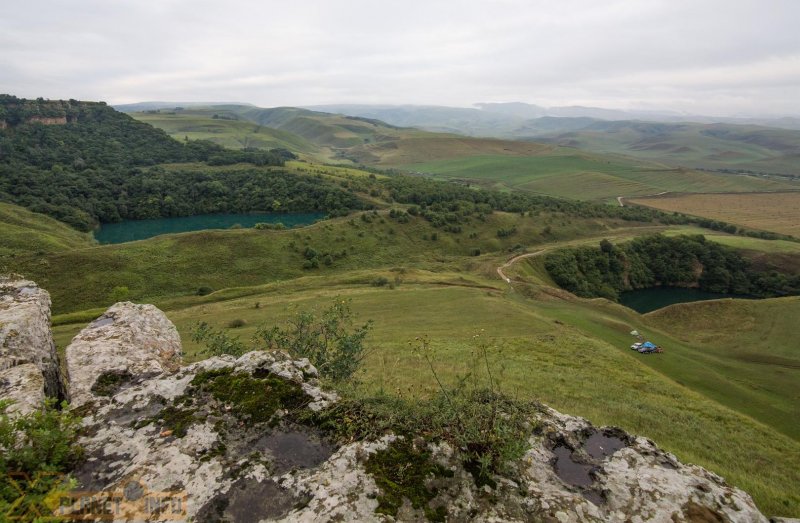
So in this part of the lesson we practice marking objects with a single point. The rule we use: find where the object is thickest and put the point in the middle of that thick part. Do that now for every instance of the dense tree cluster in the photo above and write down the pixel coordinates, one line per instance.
(437, 197)
(649, 261)
(98, 168)
(83, 199)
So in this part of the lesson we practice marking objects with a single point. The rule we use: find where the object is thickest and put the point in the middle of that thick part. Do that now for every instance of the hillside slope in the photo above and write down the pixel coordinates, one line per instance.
(224, 127)
(23, 232)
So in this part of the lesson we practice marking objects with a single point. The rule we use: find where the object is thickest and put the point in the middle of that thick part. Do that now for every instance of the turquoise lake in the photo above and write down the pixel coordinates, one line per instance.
(646, 300)
(132, 230)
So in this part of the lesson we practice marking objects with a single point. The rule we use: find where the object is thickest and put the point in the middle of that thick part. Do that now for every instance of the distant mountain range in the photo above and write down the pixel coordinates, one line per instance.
(363, 132)
(515, 119)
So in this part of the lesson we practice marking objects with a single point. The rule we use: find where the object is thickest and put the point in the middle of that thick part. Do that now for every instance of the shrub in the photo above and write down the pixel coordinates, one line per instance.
(329, 340)
(475, 252)
(217, 343)
(380, 281)
(118, 294)
(41, 445)
(203, 291)
(506, 232)
(270, 226)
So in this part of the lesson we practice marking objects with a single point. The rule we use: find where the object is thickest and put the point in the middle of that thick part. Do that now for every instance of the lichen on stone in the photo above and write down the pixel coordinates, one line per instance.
(402, 472)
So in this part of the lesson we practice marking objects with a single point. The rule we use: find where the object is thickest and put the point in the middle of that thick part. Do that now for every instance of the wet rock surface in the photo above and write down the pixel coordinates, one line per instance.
(236, 464)
(25, 336)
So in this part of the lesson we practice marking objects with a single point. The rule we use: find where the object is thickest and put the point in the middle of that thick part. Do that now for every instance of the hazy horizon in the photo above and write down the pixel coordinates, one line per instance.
(711, 58)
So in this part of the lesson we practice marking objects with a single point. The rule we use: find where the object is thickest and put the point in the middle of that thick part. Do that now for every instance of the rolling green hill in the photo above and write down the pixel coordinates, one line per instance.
(26, 232)
(496, 163)
(736, 148)
(224, 127)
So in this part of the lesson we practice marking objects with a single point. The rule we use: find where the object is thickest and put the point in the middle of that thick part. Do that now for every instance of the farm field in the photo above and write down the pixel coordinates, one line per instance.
(776, 212)
(571, 174)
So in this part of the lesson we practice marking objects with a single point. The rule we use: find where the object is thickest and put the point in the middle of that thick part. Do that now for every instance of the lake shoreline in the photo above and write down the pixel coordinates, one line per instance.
(134, 230)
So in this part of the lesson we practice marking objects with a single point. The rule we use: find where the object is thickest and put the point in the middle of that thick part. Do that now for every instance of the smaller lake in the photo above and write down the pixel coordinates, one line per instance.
(132, 230)
(646, 300)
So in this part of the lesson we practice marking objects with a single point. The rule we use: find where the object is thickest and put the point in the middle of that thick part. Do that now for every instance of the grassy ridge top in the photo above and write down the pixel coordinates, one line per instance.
(23, 231)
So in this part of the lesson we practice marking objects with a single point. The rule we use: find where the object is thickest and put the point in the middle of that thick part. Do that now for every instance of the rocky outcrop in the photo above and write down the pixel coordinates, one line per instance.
(48, 120)
(25, 336)
(218, 436)
(129, 342)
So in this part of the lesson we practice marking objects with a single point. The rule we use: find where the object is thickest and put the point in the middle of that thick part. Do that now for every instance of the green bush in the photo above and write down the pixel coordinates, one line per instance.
(119, 294)
(329, 340)
(380, 281)
(41, 445)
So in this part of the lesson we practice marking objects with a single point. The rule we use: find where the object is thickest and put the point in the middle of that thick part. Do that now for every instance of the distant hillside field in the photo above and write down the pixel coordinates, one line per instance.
(776, 212)
(227, 130)
(490, 162)
(709, 146)
(571, 173)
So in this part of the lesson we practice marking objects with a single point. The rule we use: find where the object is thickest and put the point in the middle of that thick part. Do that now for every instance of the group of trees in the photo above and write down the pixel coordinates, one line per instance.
(648, 261)
(84, 199)
(435, 198)
(102, 166)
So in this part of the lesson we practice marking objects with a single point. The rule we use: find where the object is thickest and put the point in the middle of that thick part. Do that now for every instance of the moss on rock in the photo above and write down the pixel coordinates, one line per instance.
(402, 471)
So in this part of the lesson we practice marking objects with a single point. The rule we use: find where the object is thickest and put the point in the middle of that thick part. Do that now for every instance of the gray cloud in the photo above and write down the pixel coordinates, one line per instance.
(702, 56)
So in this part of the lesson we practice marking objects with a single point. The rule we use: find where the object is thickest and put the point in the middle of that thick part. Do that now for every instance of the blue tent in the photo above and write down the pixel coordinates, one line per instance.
(648, 345)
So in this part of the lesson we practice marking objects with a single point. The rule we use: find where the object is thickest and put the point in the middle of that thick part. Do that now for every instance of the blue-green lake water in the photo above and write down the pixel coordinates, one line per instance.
(646, 300)
(132, 230)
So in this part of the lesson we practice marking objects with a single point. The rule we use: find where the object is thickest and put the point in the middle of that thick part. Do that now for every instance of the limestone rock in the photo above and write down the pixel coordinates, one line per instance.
(24, 386)
(128, 342)
(173, 433)
(187, 433)
(25, 335)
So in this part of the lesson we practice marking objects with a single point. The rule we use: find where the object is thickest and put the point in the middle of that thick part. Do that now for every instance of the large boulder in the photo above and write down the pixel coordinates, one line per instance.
(25, 336)
(23, 385)
(227, 439)
(128, 342)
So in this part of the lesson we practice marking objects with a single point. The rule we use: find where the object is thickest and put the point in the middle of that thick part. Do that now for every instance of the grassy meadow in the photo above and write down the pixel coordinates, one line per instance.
(567, 352)
(570, 173)
(23, 232)
(715, 146)
(777, 212)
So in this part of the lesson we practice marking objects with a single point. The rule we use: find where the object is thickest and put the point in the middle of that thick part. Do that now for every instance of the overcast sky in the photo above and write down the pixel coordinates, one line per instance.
(719, 57)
